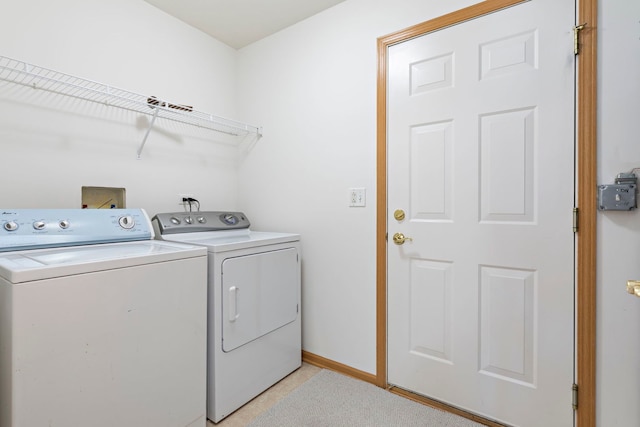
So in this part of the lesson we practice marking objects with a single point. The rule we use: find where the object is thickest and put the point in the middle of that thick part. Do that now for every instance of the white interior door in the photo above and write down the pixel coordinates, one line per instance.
(481, 160)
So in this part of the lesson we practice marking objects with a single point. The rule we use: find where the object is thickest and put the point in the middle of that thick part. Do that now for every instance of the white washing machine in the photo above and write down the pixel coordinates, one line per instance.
(254, 303)
(100, 325)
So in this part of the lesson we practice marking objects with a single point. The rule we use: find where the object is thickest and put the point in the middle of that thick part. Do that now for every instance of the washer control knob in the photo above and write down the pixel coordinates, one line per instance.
(11, 226)
(64, 224)
(174, 220)
(127, 222)
(188, 220)
(201, 219)
(38, 225)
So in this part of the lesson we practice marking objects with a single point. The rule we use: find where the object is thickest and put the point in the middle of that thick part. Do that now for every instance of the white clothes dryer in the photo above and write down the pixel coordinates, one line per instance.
(254, 303)
(100, 325)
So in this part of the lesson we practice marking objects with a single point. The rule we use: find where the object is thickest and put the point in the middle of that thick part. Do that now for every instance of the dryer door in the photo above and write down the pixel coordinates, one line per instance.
(260, 293)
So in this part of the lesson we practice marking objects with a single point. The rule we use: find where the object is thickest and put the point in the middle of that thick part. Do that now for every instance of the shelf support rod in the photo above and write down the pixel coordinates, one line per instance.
(146, 135)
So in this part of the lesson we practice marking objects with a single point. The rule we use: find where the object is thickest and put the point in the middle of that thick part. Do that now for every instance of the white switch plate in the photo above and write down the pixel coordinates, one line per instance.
(357, 197)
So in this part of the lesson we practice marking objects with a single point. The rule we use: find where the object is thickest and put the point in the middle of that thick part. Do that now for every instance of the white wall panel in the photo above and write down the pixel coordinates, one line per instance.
(618, 313)
(52, 146)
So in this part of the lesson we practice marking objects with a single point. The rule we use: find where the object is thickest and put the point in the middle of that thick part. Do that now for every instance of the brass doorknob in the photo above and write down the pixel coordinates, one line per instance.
(400, 238)
(633, 287)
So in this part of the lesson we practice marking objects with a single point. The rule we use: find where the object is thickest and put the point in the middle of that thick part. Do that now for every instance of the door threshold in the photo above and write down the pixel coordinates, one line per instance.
(444, 407)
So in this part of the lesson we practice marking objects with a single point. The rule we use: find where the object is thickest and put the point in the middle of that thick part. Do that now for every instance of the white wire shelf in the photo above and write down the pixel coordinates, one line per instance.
(29, 75)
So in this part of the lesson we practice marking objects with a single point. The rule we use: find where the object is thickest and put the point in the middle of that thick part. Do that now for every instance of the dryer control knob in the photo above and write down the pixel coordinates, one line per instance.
(188, 220)
(229, 219)
(64, 224)
(201, 219)
(174, 220)
(11, 226)
(38, 225)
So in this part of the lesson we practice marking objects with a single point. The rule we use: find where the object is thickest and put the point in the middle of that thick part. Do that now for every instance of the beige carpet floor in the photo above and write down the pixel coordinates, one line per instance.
(330, 399)
(358, 404)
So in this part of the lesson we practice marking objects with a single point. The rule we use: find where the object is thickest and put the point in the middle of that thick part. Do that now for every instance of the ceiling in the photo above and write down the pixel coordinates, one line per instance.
(238, 23)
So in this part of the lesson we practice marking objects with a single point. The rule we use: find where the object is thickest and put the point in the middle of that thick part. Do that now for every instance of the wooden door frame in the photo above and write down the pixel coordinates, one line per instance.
(586, 184)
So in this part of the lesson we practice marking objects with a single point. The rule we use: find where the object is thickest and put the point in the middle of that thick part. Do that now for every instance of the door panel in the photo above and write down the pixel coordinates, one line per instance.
(480, 157)
(259, 295)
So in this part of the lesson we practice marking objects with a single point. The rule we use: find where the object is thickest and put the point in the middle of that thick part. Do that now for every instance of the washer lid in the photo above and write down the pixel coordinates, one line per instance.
(25, 266)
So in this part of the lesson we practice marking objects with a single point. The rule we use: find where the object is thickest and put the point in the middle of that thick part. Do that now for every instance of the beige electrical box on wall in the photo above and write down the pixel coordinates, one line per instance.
(103, 198)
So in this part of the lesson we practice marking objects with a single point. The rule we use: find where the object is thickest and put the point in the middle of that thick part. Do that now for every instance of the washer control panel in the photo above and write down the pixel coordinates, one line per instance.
(190, 222)
(22, 229)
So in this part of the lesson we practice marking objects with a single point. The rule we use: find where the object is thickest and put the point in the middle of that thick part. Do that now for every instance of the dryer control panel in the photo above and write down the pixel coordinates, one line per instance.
(22, 229)
(191, 222)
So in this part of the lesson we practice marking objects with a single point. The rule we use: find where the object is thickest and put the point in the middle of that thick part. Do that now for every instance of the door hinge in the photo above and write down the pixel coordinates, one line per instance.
(576, 38)
(574, 396)
(575, 220)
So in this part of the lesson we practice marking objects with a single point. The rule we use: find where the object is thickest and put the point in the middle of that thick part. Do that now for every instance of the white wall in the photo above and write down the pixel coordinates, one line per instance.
(618, 313)
(313, 88)
(48, 155)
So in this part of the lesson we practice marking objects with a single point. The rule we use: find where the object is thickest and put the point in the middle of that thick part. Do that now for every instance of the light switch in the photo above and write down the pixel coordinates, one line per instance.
(357, 197)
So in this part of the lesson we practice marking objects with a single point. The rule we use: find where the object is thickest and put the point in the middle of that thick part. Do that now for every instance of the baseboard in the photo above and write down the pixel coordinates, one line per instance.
(321, 362)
